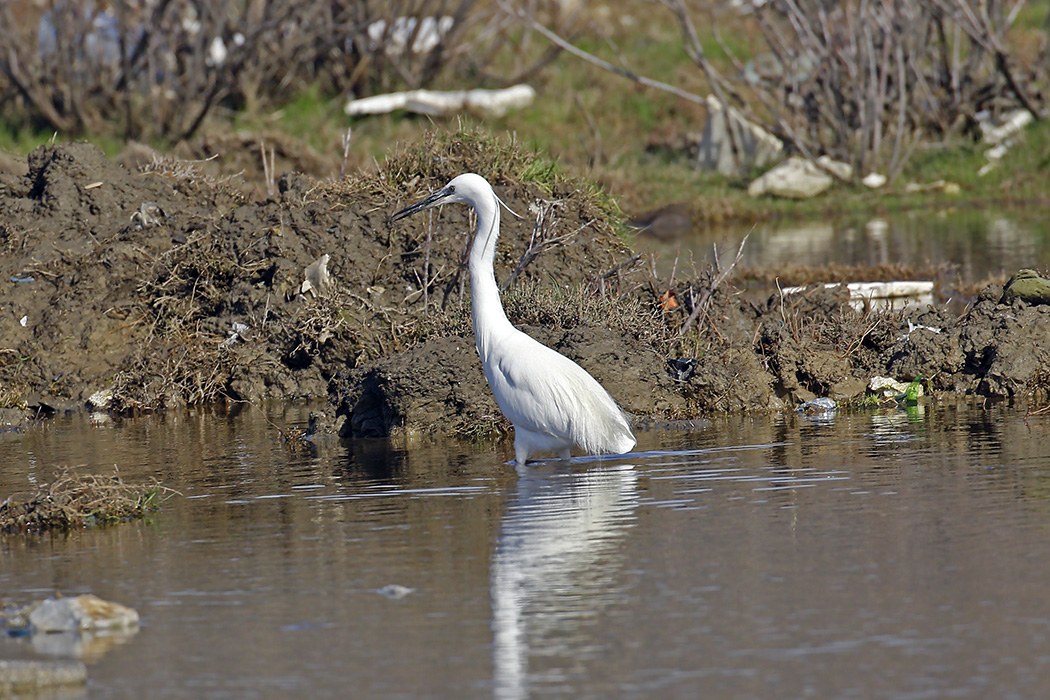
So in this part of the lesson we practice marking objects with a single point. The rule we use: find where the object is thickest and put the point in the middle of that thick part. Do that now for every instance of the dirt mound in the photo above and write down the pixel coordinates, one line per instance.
(158, 286)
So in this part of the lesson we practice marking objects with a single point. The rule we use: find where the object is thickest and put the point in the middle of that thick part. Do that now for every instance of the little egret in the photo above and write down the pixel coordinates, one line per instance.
(552, 401)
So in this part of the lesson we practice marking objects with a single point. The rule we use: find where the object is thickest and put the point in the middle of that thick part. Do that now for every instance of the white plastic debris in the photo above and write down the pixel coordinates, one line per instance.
(1001, 135)
(237, 330)
(394, 42)
(884, 295)
(1011, 123)
(877, 228)
(876, 290)
(24, 321)
(886, 386)
(317, 277)
(217, 52)
(486, 103)
(757, 147)
(912, 327)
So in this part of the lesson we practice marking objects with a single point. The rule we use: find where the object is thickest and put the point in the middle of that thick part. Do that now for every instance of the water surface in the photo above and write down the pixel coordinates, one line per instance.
(971, 245)
(876, 555)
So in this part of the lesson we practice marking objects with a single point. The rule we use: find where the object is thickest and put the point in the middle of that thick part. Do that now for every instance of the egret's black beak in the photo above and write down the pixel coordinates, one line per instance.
(431, 201)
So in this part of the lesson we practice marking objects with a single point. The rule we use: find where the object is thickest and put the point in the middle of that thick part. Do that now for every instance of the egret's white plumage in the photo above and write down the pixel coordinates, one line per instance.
(553, 403)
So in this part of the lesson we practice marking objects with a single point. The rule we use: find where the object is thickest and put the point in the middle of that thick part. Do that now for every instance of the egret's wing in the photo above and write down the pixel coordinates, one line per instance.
(545, 392)
(532, 386)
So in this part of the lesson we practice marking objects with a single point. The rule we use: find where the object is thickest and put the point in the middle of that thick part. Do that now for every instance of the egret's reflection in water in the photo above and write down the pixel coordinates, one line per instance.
(556, 564)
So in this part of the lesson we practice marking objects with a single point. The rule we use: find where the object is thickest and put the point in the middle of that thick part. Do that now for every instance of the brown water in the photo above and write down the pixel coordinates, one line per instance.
(876, 555)
(975, 243)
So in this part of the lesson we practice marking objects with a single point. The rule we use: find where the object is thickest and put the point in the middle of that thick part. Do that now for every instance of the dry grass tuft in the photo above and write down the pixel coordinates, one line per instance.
(80, 500)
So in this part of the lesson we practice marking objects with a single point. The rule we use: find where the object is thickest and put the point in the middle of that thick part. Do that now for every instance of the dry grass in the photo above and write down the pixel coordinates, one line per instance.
(80, 500)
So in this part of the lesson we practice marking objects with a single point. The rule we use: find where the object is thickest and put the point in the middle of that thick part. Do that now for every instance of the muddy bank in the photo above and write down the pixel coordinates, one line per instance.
(139, 289)
(155, 287)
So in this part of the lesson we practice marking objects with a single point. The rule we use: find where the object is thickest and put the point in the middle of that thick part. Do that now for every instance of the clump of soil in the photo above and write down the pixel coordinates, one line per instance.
(138, 289)
(79, 500)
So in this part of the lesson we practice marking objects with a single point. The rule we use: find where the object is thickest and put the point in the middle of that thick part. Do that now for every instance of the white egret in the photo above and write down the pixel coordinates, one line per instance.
(553, 403)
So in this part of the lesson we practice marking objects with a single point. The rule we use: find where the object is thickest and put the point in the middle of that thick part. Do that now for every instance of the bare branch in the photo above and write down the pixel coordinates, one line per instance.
(700, 305)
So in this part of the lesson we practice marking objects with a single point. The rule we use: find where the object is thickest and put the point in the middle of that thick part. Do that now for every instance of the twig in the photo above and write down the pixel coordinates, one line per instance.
(704, 301)
(541, 240)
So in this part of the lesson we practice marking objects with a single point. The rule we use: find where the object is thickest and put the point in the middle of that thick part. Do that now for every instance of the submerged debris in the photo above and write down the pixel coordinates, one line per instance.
(395, 591)
(80, 500)
(19, 678)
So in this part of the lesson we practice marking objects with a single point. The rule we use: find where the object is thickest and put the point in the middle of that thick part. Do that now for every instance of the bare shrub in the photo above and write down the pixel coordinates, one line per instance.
(866, 82)
(158, 68)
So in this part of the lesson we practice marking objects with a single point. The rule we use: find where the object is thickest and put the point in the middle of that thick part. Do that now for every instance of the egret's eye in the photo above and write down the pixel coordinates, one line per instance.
(452, 189)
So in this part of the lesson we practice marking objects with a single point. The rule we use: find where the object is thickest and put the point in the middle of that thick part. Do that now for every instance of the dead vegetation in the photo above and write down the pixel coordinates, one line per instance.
(157, 70)
(868, 83)
(76, 500)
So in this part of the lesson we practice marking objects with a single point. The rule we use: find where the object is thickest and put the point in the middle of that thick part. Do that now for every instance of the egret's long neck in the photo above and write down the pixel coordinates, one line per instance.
(486, 309)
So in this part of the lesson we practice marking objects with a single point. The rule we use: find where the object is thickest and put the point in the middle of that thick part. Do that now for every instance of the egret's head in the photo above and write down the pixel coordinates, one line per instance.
(467, 188)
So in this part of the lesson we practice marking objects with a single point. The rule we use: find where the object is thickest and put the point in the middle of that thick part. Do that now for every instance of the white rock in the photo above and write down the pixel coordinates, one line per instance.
(942, 185)
(874, 180)
(798, 178)
(82, 612)
(843, 170)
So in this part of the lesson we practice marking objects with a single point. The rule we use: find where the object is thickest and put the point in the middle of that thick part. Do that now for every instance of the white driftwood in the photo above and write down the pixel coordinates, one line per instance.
(486, 103)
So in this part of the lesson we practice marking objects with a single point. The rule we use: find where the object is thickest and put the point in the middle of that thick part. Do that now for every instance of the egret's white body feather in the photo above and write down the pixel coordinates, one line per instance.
(553, 403)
